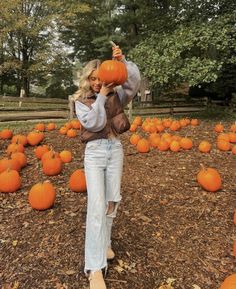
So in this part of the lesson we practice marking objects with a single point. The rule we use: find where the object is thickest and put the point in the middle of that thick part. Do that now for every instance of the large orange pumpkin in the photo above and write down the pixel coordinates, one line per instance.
(209, 179)
(112, 71)
(143, 146)
(42, 196)
(77, 181)
(10, 181)
(229, 282)
(52, 166)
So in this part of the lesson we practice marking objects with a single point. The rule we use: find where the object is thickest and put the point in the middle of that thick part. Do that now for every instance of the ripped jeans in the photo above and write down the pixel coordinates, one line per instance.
(103, 164)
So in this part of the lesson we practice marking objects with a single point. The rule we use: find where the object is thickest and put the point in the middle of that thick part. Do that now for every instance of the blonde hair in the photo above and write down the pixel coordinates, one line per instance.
(84, 87)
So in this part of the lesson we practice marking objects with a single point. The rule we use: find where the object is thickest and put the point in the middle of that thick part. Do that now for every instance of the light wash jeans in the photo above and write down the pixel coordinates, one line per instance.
(103, 169)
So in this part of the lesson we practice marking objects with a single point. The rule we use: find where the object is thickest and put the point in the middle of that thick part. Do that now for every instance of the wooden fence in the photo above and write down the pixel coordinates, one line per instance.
(18, 108)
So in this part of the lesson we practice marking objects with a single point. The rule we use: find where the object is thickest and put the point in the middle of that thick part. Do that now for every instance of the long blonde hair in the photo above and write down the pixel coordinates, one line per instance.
(84, 86)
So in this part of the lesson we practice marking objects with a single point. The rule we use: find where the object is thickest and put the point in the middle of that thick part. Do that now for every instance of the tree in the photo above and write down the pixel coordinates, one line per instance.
(195, 53)
(30, 39)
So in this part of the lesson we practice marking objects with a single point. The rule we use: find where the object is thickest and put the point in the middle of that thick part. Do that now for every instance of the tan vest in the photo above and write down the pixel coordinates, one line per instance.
(117, 121)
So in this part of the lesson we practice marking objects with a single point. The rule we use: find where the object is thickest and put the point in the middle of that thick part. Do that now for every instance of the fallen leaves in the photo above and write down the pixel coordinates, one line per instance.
(124, 266)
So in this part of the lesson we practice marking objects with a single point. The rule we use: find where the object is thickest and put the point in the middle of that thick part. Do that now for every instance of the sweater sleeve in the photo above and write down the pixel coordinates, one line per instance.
(130, 88)
(92, 118)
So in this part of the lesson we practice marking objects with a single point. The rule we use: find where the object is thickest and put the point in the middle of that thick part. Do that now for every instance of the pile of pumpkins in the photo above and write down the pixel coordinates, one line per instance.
(43, 194)
(157, 136)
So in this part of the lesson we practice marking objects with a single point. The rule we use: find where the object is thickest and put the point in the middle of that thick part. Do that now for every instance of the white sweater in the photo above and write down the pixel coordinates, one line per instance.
(94, 118)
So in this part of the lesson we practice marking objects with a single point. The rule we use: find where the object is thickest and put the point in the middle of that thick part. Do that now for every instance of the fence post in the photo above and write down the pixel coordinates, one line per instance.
(71, 105)
(22, 94)
(130, 111)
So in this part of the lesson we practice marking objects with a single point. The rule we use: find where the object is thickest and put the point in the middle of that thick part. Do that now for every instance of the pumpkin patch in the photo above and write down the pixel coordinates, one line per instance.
(163, 205)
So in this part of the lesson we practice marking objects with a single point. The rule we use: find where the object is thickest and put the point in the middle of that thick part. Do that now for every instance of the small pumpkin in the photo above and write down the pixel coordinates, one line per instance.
(20, 157)
(40, 126)
(209, 179)
(15, 147)
(186, 143)
(10, 181)
(9, 163)
(143, 146)
(66, 156)
(204, 146)
(134, 138)
(71, 132)
(42, 196)
(175, 146)
(40, 150)
(112, 71)
(6, 133)
(19, 138)
(138, 120)
(219, 127)
(35, 137)
(77, 181)
(229, 282)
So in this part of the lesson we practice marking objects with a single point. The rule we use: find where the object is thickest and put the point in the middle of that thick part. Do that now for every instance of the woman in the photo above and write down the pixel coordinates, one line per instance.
(99, 108)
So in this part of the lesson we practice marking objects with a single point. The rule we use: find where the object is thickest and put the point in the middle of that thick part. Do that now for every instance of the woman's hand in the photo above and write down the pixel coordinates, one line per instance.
(106, 89)
(117, 53)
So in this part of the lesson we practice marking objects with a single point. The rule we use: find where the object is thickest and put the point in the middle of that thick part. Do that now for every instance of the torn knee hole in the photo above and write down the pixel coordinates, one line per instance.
(110, 208)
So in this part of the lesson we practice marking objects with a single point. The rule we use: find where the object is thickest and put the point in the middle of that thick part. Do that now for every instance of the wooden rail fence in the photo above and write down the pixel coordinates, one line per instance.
(29, 108)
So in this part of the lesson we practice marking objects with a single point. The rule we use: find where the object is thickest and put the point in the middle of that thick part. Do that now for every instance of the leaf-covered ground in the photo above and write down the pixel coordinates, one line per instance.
(168, 229)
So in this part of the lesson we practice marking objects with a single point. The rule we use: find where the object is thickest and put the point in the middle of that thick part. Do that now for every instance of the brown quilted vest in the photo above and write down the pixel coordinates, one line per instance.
(117, 121)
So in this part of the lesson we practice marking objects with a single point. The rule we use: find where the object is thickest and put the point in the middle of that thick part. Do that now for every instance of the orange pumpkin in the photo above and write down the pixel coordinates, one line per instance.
(42, 196)
(35, 137)
(223, 145)
(51, 126)
(143, 146)
(112, 71)
(52, 166)
(219, 127)
(134, 139)
(75, 123)
(138, 120)
(41, 150)
(186, 143)
(65, 156)
(40, 126)
(204, 147)
(209, 179)
(8, 163)
(133, 127)
(77, 181)
(71, 132)
(233, 127)
(10, 181)
(63, 130)
(232, 137)
(163, 145)
(20, 139)
(15, 147)
(6, 134)
(194, 122)
(229, 282)
(49, 154)
(234, 150)
(20, 157)
(175, 146)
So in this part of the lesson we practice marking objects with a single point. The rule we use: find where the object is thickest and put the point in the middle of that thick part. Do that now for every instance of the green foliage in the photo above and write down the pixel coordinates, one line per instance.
(29, 37)
(195, 53)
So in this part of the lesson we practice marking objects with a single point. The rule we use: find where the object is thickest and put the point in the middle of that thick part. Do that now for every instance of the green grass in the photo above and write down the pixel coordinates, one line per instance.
(24, 126)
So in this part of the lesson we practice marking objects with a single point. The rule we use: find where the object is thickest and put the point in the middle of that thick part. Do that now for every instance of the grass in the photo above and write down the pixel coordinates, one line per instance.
(20, 126)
